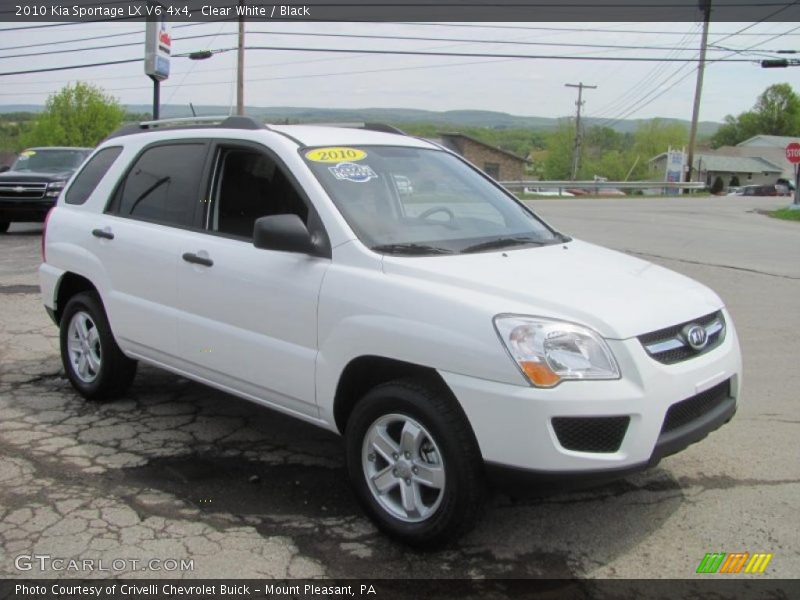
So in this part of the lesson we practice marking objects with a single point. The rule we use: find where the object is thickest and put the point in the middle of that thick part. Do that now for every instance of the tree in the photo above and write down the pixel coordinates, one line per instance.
(78, 115)
(558, 162)
(776, 112)
(718, 185)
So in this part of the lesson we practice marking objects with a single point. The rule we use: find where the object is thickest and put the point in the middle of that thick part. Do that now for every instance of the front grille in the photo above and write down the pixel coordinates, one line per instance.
(688, 410)
(591, 434)
(22, 190)
(668, 345)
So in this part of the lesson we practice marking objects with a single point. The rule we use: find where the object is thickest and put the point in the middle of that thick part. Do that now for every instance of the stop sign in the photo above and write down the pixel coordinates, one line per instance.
(793, 152)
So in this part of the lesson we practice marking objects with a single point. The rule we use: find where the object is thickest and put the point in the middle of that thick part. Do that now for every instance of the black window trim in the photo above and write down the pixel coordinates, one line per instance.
(112, 205)
(87, 161)
(218, 145)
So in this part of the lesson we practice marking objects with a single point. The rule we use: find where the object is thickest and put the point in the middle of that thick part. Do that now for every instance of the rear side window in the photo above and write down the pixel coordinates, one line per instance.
(163, 185)
(91, 174)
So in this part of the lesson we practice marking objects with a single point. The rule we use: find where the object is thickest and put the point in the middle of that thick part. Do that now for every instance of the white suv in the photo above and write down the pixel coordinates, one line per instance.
(445, 330)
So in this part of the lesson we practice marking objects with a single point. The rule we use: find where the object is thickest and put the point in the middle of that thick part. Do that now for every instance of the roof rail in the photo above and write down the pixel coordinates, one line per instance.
(219, 121)
(222, 121)
(382, 127)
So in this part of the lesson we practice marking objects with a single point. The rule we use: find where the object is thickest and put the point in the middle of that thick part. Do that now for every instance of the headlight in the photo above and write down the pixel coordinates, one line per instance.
(549, 351)
(54, 188)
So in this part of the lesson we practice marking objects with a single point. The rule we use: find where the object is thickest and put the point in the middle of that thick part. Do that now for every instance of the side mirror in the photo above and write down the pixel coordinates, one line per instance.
(286, 233)
(4, 168)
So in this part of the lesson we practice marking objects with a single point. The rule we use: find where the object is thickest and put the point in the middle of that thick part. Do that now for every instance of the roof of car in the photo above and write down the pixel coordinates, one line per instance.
(305, 135)
(324, 135)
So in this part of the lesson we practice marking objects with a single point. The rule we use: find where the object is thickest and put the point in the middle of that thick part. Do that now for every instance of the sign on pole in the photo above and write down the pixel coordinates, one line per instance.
(793, 156)
(676, 164)
(157, 45)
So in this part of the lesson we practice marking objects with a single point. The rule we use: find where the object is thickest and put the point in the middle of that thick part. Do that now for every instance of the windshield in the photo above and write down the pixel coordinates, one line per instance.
(49, 160)
(403, 200)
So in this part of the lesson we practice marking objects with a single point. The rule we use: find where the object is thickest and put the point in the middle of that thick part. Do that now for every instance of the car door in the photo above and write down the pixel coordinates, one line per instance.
(247, 317)
(136, 240)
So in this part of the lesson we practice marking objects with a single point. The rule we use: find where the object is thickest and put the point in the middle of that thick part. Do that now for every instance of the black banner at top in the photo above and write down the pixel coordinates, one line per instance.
(400, 10)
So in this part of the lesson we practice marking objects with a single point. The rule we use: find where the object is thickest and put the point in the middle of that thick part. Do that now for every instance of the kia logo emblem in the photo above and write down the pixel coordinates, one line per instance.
(695, 336)
(19, 189)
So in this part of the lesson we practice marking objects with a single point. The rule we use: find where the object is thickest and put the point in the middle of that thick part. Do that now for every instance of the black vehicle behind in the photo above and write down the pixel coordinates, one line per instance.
(30, 187)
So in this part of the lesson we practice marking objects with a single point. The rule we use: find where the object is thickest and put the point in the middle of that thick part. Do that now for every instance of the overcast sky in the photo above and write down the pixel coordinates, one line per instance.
(516, 86)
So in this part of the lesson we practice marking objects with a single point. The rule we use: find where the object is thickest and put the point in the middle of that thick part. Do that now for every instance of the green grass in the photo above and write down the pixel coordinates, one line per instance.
(787, 214)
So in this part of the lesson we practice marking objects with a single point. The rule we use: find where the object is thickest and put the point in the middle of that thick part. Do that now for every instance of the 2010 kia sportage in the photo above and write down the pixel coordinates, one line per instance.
(444, 329)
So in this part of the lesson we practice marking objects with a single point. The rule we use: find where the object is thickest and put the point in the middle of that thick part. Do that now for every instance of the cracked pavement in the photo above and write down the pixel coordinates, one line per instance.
(176, 470)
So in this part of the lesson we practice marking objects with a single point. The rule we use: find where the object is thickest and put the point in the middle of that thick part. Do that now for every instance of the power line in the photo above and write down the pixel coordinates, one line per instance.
(644, 83)
(637, 108)
(71, 67)
(473, 54)
(572, 29)
(359, 36)
(92, 38)
(395, 53)
(769, 16)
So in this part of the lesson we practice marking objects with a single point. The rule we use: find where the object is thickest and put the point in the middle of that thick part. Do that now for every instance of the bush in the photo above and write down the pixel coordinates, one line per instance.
(734, 181)
(718, 185)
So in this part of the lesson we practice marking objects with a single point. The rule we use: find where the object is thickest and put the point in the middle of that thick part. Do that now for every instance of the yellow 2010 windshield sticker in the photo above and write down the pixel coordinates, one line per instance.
(27, 153)
(335, 155)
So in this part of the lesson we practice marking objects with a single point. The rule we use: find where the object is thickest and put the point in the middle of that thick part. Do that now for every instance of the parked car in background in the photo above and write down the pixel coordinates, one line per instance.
(735, 191)
(29, 187)
(544, 191)
(761, 190)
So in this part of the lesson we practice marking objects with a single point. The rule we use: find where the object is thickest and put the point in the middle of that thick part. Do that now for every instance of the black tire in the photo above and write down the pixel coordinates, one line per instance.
(439, 413)
(116, 371)
(4, 225)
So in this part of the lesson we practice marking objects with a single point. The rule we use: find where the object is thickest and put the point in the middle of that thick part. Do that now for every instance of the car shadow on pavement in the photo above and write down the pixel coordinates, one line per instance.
(235, 462)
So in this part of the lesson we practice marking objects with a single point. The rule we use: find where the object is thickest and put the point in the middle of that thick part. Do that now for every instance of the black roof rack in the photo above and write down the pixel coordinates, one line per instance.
(219, 121)
(382, 127)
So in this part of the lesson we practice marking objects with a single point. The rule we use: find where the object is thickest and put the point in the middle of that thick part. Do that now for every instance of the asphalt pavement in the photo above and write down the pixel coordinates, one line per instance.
(178, 471)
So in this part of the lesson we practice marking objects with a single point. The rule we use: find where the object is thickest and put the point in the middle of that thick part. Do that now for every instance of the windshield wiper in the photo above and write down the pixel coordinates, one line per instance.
(410, 248)
(503, 243)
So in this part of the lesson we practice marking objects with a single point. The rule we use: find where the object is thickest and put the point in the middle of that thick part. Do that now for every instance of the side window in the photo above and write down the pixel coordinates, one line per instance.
(163, 185)
(249, 185)
(91, 174)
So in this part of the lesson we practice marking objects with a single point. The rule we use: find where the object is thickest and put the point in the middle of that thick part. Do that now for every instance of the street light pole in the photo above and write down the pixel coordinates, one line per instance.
(240, 66)
(698, 90)
(576, 151)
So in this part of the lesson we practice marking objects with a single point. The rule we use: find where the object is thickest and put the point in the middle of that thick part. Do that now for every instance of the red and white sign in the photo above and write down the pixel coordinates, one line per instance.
(793, 152)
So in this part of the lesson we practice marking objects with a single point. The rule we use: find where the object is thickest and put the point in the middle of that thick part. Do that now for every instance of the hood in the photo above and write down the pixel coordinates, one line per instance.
(618, 295)
(36, 176)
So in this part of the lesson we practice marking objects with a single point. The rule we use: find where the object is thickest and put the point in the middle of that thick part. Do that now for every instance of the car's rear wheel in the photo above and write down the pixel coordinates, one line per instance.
(94, 364)
(4, 225)
(414, 462)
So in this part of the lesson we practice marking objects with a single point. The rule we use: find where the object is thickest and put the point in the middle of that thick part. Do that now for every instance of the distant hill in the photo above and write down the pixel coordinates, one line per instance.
(398, 116)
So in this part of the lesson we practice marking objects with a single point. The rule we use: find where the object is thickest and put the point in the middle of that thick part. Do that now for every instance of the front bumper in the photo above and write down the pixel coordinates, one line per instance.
(514, 424)
(16, 211)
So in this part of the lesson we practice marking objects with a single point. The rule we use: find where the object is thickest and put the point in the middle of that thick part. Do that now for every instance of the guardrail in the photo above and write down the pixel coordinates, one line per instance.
(601, 185)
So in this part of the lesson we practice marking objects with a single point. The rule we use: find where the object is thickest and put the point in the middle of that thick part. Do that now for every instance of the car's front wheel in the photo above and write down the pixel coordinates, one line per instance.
(94, 364)
(414, 462)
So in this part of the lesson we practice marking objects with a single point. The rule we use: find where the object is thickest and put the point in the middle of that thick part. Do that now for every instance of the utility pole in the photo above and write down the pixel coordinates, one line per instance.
(705, 6)
(576, 151)
(240, 66)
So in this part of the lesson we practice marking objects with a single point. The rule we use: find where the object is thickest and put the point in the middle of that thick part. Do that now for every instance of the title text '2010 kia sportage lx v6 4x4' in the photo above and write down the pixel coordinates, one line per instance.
(449, 334)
